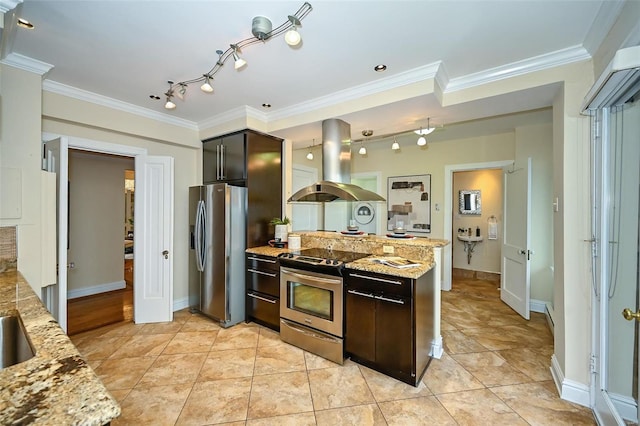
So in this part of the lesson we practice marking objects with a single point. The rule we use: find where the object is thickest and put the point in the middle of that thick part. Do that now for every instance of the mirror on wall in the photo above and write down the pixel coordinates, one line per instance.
(470, 202)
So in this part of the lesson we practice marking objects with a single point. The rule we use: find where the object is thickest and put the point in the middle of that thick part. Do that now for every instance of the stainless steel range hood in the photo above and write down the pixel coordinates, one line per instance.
(336, 169)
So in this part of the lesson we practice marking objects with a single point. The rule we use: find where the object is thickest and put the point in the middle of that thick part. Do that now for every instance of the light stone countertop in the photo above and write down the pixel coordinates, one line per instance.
(56, 386)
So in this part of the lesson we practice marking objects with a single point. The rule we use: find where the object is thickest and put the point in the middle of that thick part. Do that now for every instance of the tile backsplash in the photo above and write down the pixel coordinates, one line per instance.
(8, 252)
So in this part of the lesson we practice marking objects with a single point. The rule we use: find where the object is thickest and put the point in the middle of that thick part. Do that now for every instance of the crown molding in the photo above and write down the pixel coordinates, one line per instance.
(514, 69)
(83, 95)
(240, 113)
(25, 63)
(7, 5)
(402, 79)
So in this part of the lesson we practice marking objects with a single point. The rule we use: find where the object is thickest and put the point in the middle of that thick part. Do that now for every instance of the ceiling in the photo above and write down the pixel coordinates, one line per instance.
(127, 50)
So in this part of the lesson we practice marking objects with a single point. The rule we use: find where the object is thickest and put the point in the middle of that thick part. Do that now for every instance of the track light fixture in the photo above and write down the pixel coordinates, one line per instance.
(310, 154)
(395, 145)
(262, 31)
(423, 132)
(422, 141)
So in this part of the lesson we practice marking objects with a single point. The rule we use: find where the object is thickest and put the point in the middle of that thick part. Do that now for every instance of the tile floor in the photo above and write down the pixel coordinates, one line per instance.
(495, 370)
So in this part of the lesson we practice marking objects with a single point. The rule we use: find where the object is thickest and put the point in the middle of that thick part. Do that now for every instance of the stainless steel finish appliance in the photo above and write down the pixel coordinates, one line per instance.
(217, 229)
(311, 300)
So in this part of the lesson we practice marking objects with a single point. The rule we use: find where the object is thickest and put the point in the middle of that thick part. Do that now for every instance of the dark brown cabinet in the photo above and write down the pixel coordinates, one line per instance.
(388, 323)
(263, 290)
(252, 159)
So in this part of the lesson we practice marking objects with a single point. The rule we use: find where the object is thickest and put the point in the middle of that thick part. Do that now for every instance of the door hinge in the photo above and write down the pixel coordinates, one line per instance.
(593, 359)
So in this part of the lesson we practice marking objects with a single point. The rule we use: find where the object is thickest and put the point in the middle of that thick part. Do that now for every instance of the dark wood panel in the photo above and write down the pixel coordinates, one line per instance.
(394, 335)
(360, 326)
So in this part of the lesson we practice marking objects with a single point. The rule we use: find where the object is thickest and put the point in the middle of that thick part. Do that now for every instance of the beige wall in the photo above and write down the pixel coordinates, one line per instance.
(486, 254)
(96, 222)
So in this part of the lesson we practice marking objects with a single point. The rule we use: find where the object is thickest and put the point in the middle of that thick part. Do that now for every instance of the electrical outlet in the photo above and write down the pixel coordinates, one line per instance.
(387, 249)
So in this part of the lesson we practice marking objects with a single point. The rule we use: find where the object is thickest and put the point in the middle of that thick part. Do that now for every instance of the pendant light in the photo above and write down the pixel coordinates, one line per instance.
(169, 94)
(395, 146)
(310, 154)
(206, 86)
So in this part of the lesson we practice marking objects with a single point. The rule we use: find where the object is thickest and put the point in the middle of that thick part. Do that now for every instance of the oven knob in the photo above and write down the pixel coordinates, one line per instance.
(335, 262)
(328, 261)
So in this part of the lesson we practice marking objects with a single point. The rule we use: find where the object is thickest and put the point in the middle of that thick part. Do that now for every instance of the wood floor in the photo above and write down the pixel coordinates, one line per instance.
(90, 312)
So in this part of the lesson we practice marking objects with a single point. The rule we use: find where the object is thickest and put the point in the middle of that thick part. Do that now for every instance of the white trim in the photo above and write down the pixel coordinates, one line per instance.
(518, 68)
(625, 406)
(180, 304)
(25, 63)
(94, 98)
(449, 169)
(569, 390)
(536, 305)
(7, 5)
(96, 289)
(437, 348)
(240, 113)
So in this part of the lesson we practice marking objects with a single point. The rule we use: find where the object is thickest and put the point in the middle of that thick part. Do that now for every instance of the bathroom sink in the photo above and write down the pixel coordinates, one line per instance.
(16, 347)
(469, 238)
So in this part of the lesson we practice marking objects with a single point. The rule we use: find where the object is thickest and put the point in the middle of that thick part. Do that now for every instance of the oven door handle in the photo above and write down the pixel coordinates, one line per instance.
(307, 332)
(309, 277)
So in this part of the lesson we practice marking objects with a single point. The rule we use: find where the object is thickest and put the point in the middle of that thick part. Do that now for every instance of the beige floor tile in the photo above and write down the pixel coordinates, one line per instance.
(491, 369)
(535, 364)
(123, 373)
(100, 347)
(315, 362)
(280, 394)
(182, 316)
(200, 323)
(279, 359)
(191, 342)
(217, 401)
(228, 364)
(416, 411)
(456, 342)
(173, 369)
(300, 419)
(143, 345)
(338, 387)
(120, 394)
(160, 405)
(121, 329)
(446, 375)
(161, 328)
(446, 325)
(361, 415)
(236, 337)
(269, 337)
(479, 407)
(385, 388)
(538, 404)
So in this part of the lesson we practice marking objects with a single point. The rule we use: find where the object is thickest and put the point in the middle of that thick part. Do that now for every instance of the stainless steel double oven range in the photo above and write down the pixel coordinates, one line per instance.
(311, 300)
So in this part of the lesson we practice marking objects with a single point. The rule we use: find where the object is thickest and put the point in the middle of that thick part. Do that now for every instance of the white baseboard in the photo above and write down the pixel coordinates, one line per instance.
(180, 304)
(569, 390)
(436, 348)
(96, 289)
(538, 306)
(625, 406)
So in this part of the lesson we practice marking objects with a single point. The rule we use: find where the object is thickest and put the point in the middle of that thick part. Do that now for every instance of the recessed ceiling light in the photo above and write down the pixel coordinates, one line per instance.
(380, 68)
(266, 105)
(25, 24)
(154, 97)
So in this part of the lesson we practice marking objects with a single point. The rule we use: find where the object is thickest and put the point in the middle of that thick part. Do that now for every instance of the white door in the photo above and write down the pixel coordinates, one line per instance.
(304, 216)
(515, 277)
(57, 161)
(153, 248)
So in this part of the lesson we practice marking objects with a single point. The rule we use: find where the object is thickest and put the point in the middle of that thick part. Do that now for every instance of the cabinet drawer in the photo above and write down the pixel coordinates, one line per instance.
(264, 281)
(378, 283)
(257, 262)
(263, 309)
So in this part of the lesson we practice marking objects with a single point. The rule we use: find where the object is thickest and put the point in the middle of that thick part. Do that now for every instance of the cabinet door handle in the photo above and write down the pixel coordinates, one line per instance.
(223, 169)
(398, 301)
(369, 295)
(259, 259)
(264, 299)
(262, 273)
(377, 279)
(217, 162)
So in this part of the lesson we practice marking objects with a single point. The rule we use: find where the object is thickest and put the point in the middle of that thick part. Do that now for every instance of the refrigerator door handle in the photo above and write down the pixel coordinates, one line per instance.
(200, 236)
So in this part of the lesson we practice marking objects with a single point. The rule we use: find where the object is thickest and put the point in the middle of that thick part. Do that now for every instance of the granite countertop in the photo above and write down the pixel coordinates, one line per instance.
(365, 264)
(56, 386)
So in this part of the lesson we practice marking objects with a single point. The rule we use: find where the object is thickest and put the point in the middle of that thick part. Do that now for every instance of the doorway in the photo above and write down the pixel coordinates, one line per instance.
(100, 247)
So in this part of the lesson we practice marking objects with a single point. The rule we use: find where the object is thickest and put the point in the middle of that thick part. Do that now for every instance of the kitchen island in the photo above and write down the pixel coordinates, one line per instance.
(425, 251)
(56, 386)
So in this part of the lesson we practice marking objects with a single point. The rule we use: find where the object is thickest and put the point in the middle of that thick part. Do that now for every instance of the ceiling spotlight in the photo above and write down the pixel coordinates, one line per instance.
(206, 86)
(380, 68)
(23, 23)
(292, 37)
(169, 94)
(422, 141)
(238, 62)
(395, 145)
(261, 28)
(182, 91)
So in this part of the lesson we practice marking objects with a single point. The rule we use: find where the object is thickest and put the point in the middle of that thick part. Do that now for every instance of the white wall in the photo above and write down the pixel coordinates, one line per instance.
(96, 220)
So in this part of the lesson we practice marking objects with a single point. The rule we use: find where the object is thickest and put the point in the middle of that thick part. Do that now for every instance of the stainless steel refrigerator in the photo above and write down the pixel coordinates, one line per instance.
(217, 232)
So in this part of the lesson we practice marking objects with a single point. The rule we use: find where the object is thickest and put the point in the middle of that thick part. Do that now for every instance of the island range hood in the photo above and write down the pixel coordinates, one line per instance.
(336, 169)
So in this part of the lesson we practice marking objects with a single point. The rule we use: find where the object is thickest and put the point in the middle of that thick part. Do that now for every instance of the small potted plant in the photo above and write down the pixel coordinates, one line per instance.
(282, 228)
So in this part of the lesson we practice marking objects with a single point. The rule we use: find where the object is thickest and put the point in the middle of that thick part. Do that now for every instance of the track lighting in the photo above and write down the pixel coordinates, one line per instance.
(362, 150)
(206, 86)
(262, 32)
(426, 131)
(395, 145)
(292, 37)
(238, 62)
(309, 155)
(422, 141)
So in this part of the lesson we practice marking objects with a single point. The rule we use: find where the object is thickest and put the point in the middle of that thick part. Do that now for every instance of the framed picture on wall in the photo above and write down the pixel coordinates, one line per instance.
(409, 203)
